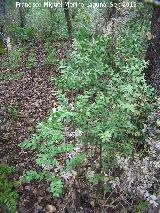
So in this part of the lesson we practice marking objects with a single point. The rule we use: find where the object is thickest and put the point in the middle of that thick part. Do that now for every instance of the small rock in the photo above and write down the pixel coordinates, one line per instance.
(27, 188)
(50, 209)
(158, 123)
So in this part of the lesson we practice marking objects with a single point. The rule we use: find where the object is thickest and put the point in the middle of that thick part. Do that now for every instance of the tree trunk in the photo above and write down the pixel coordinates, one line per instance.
(2, 8)
(21, 14)
(2, 14)
(152, 72)
(68, 18)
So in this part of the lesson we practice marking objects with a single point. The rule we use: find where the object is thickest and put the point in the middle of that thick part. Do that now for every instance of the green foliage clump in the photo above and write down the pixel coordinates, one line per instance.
(109, 91)
(51, 55)
(14, 58)
(1, 47)
(21, 34)
(109, 101)
(11, 110)
(51, 58)
(31, 60)
(8, 196)
(46, 23)
(9, 76)
(142, 206)
(39, 20)
(50, 145)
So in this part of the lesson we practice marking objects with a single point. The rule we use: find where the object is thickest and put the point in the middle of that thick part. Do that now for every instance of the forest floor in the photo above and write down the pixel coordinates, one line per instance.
(27, 96)
(24, 102)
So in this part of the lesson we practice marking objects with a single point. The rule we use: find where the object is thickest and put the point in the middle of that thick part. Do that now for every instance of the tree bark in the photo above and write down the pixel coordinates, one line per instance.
(152, 72)
(68, 18)
(2, 15)
(22, 17)
(2, 8)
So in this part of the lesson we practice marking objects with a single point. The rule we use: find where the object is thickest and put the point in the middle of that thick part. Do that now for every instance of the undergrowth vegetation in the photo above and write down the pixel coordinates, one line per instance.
(98, 149)
(104, 103)
(8, 195)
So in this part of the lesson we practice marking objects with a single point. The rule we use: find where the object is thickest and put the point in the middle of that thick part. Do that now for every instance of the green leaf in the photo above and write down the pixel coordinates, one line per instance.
(56, 187)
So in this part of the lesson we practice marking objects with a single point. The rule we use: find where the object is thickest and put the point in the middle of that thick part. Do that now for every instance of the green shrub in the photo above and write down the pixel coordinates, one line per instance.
(108, 103)
(8, 196)
(51, 55)
(21, 34)
(14, 58)
(31, 60)
(49, 152)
